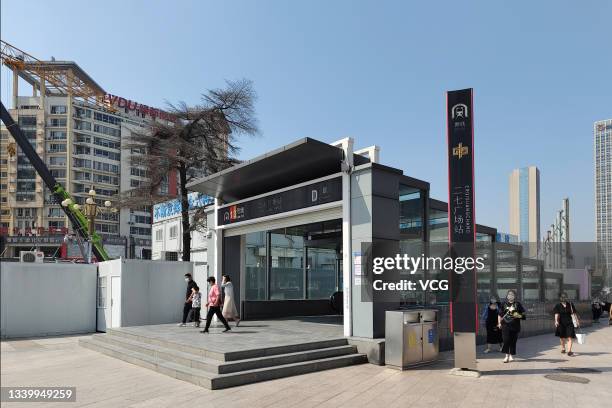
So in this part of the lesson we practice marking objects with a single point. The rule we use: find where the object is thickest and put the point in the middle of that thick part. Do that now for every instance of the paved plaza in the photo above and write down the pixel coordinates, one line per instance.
(102, 381)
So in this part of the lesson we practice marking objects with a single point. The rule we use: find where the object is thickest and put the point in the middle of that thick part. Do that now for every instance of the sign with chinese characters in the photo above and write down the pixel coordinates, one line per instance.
(321, 192)
(139, 108)
(462, 227)
(172, 208)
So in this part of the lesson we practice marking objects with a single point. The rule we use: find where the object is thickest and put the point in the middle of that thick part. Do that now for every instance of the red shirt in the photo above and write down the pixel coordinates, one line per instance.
(214, 297)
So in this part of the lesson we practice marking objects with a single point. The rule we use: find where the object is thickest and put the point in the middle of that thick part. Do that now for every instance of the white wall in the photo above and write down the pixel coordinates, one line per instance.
(152, 292)
(47, 299)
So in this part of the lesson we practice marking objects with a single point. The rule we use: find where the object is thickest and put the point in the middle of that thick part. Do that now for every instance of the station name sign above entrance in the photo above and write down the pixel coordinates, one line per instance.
(310, 195)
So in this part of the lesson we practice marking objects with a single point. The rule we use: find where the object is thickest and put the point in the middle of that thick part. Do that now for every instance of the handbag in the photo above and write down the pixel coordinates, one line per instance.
(574, 317)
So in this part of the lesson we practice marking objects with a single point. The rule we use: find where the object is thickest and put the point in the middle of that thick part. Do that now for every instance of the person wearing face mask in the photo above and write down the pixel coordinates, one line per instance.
(509, 321)
(187, 306)
(489, 316)
(564, 325)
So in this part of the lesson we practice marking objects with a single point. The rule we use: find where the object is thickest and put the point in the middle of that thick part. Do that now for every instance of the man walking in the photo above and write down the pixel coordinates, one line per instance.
(187, 307)
(214, 306)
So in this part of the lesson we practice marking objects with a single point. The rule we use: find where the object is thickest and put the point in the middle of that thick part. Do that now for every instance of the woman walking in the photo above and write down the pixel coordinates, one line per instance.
(564, 324)
(489, 316)
(229, 307)
(509, 321)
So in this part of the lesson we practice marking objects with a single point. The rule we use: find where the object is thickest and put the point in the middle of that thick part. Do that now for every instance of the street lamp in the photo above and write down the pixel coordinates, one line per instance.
(90, 210)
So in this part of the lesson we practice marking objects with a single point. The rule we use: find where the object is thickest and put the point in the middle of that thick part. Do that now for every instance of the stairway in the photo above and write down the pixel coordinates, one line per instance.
(222, 370)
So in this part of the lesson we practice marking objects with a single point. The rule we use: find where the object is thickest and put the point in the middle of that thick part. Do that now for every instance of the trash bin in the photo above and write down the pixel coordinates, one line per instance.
(411, 337)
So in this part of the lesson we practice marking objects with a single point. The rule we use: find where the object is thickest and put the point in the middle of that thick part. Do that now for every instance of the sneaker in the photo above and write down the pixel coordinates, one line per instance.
(228, 329)
(570, 353)
(486, 351)
(562, 351)
(203, 331)
(506, 359)
(510, 359)
(181, 325)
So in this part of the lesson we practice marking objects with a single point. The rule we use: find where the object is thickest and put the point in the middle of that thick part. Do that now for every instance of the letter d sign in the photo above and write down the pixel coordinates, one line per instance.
(314, 195)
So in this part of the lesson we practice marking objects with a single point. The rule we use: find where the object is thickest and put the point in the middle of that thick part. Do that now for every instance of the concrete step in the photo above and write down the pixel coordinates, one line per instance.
(230, 355)
(160, 353)
(211, 380)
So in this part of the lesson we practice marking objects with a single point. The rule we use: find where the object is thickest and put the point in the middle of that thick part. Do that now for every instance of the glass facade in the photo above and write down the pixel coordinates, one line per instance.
(300, 262)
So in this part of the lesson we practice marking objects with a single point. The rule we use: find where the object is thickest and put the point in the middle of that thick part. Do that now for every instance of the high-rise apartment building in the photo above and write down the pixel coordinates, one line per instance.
(82, 145)
(525, 208)
(602, 132)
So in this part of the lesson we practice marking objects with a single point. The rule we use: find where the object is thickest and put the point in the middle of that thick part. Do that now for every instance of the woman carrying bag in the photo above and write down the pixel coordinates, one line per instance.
(509, 321)
(566, 321)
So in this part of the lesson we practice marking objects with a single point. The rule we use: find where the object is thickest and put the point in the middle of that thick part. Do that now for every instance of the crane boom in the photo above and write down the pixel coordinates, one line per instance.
(76, 217)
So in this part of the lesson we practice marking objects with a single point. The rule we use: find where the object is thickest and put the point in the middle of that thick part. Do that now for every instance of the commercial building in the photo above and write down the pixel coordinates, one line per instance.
(602, 134)
(525, 208)
(288, 226)
(82, 144)
(167, 242)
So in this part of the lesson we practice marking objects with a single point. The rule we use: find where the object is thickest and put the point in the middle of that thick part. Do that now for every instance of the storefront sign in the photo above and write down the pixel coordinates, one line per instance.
(322, 192)
(462, 227)
(172, 208)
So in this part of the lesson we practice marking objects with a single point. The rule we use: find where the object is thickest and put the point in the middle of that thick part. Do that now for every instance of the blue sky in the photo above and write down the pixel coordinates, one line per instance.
(375, 70)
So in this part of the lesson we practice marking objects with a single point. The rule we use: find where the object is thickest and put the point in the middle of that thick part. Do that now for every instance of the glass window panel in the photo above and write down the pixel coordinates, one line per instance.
(255, 266)
(287, 265)
(322, 269)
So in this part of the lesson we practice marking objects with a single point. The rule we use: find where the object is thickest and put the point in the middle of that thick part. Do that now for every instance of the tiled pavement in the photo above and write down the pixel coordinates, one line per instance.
(106, 382)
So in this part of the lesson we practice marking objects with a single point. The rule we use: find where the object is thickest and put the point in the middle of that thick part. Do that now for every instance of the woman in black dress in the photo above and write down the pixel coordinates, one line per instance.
(489, 316)
(564, 326)
(509, 321)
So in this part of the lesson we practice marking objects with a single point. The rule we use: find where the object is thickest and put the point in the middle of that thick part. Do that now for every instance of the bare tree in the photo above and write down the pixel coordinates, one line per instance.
(201, 141)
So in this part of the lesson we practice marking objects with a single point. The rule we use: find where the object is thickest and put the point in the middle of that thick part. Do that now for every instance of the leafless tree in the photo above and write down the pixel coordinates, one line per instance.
(201, 141)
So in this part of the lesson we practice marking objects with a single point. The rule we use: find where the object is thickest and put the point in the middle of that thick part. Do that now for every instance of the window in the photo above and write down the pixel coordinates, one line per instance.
(57, 148)
(58, 109)
(159, 234)
(138, 172)
(107, 154)
(103, 178)
(82, 150)
(82, 125)
(56, 224)
(58, 173)
(29, 121)
(2, 186)
(107, 143)
(82, 113)
(173, 232)
(141, 219)
(3, 173)
(101, 298)
(107, 228)
(57, 135)
(107, 118)
(140, 231)
(27, 174)
(135, 183)
(107, 131)
(57, 122)
(83, 163)
(55, 212)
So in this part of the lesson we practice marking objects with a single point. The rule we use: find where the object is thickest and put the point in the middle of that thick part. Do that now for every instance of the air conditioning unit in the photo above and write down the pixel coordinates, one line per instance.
(169, 256)
(31, 256)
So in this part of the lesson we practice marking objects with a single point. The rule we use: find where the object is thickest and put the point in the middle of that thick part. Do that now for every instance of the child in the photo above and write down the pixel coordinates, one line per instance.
(196, 305)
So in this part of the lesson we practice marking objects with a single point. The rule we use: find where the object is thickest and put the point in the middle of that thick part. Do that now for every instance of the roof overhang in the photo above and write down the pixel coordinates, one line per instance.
(300, 161)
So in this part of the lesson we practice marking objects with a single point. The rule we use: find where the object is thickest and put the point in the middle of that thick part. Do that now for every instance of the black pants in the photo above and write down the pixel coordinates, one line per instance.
(186, 310)
(597, 314)
(196, 316)
(215, 310)
(510, 337)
